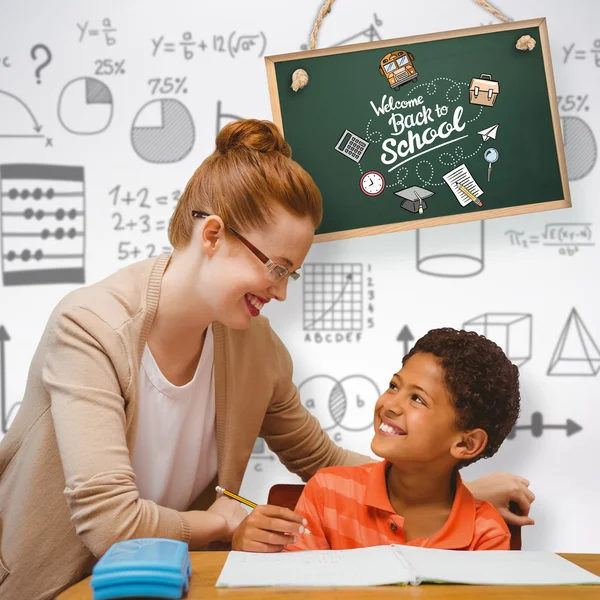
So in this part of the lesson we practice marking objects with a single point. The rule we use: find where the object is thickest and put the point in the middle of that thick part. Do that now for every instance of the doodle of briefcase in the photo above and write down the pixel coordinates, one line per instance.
(483, 90)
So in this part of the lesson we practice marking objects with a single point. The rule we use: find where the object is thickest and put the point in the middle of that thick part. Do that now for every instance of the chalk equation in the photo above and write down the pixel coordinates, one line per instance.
(143, 224)
(129, 250)
(573, 53)
(141, 220)
(568, 238)
(233, 44)
(106, 28)
(142, 198)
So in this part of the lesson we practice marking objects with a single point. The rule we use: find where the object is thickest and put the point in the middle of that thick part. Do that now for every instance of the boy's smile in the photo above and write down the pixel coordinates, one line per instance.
(389, 428)
(414, 419)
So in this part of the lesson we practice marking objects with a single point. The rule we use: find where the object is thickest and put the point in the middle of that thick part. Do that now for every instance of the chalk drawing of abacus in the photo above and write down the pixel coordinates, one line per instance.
(42, 234)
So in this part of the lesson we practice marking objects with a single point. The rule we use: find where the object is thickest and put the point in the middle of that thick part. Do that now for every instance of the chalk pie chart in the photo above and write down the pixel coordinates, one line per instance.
(580, 147)
(163, 131)
(85, 106)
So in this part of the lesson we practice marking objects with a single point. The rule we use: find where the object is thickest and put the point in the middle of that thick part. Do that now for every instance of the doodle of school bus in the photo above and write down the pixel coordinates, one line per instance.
(398, 67)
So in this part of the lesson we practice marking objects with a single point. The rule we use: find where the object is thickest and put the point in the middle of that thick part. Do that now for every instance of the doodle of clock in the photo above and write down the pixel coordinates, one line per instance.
(372, 183)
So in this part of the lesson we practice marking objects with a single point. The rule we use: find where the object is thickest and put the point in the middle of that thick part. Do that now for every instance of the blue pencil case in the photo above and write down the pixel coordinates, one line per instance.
(150, 567)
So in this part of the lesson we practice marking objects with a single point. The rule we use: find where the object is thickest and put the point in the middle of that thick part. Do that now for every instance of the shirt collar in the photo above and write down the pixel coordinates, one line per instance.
(457, 531)
(376, 493)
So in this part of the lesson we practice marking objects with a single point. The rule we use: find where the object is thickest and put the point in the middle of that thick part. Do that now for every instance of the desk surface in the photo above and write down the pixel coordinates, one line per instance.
(206, 567)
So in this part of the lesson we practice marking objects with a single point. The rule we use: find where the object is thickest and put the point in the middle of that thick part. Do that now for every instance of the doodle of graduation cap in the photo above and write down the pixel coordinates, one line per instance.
(413, 198)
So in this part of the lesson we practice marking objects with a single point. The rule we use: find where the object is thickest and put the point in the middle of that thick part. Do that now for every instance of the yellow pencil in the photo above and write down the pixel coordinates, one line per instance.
(233, 496)
(472, 197)
(249, 503)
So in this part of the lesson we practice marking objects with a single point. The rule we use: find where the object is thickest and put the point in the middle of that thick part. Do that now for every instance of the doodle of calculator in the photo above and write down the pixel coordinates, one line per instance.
(352, 146)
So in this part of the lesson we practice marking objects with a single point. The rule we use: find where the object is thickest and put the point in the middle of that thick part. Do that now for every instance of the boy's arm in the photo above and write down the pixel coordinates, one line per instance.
(310, 506)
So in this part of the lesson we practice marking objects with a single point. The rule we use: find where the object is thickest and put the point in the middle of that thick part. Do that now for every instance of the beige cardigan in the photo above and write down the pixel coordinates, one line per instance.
(67, 489)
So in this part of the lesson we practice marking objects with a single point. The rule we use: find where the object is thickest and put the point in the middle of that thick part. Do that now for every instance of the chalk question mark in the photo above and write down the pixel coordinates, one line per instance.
(34, 51)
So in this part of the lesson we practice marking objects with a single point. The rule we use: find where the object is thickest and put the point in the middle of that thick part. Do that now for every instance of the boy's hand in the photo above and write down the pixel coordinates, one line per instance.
(268, 529)
(500, 489)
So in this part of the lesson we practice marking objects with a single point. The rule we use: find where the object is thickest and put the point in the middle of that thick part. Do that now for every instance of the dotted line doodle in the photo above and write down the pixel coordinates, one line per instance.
(459, 156)
(370, 135)
(431, 84)
(401, 175)
(429, 180)
(477, 116)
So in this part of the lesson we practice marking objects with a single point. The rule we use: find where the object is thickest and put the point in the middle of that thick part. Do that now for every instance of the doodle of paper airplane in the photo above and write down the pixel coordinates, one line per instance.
(489, 133)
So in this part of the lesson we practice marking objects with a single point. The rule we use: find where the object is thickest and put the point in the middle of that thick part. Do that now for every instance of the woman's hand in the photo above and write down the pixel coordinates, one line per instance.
(232, 513)
(500, 489)
(268, 529)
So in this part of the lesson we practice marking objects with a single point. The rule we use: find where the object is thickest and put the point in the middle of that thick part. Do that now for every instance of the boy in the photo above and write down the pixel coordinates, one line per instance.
(453, 402)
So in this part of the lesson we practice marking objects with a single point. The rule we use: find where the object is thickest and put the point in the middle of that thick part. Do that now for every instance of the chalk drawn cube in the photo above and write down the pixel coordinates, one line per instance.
(511, 331)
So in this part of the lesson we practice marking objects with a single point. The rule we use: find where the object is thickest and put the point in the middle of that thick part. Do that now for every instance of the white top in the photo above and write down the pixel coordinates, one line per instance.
(175, 453)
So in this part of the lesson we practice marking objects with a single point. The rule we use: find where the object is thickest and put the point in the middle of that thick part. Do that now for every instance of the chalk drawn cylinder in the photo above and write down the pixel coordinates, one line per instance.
(451, 251)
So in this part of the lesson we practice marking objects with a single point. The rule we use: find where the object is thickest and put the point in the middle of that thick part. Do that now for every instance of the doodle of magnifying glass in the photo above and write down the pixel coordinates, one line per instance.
(491, 155)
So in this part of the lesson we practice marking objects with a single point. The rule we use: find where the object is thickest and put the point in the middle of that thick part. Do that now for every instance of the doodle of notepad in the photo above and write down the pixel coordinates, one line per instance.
(150, 567)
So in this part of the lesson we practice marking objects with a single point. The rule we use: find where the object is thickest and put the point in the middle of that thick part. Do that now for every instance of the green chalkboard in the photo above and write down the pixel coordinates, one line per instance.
(427, 130)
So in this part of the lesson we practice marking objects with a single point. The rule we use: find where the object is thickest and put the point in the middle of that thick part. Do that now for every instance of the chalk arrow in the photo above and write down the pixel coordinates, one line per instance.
(405, 336)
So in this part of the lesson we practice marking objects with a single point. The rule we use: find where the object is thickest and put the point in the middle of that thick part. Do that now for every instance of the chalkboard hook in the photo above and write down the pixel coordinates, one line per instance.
(299, 79)
(525, 42)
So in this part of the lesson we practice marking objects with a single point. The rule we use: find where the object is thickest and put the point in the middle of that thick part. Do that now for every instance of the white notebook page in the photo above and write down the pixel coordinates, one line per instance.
(385, 565)
(377, 565)
(495, 567)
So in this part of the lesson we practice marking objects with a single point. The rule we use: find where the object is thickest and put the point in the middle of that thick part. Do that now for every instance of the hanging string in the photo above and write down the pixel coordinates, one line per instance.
(300, 76)
(325, 10)
(525, 42)
(493, 10)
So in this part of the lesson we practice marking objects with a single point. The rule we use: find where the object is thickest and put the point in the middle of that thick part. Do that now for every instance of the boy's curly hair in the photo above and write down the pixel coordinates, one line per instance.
(484, 383)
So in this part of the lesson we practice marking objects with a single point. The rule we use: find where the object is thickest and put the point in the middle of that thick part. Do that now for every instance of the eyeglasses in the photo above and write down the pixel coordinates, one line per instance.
(275, 272)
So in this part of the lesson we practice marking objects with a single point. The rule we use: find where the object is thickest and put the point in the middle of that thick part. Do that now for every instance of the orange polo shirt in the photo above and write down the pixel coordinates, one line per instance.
(348, 507)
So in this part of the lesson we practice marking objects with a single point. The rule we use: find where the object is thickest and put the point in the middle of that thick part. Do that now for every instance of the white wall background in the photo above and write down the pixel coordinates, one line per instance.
(543, 282)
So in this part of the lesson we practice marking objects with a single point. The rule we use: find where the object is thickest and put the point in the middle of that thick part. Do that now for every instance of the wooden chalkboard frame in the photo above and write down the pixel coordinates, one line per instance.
(564, 202)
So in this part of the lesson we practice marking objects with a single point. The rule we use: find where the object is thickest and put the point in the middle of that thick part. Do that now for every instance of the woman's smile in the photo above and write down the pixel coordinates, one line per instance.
(254, 304)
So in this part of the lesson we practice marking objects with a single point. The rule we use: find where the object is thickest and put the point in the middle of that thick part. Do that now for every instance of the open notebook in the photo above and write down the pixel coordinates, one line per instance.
(385, 565)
